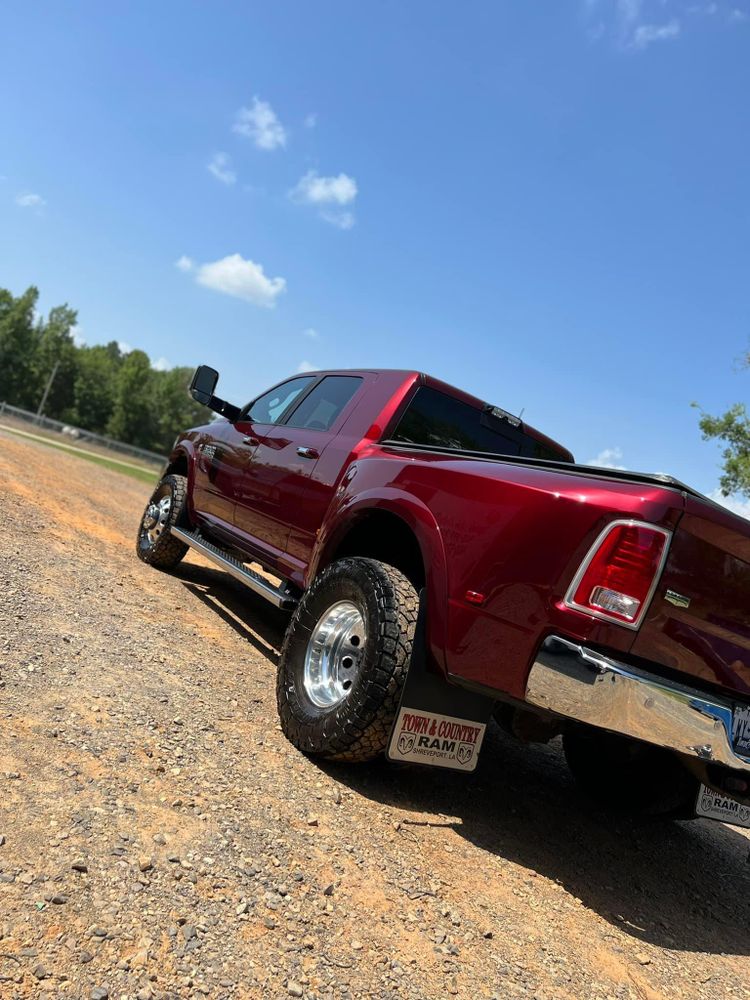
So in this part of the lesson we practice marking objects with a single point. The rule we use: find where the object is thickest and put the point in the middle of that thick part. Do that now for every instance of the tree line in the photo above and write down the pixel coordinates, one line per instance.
(107, 391)
(733, 430)
(98, 388)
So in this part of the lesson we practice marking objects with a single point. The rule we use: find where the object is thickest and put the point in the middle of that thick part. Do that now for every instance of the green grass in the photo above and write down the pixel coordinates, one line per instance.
(143, 475)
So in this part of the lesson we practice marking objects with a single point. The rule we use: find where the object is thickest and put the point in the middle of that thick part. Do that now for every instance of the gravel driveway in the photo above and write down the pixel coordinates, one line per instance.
(160, 838)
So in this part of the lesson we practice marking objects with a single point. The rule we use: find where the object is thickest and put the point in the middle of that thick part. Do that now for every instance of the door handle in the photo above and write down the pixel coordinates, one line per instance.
(250, 440)
(307, 453)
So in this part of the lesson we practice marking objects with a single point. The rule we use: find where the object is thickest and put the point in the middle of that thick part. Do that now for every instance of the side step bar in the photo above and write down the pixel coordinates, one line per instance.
(278, 596)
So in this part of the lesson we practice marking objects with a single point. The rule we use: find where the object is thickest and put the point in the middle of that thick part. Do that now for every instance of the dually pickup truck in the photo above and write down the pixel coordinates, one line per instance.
(445, 562)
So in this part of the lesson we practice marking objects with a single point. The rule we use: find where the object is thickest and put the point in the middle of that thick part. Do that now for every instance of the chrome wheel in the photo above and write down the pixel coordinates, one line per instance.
(334, 654)
(156, 518)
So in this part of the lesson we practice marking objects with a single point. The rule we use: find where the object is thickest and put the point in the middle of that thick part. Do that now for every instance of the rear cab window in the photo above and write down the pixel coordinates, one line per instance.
(443, 421)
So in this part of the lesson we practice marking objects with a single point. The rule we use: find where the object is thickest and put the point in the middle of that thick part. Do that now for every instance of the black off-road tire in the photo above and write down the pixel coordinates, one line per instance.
(166, 551)
(629, 777)
(357, 729)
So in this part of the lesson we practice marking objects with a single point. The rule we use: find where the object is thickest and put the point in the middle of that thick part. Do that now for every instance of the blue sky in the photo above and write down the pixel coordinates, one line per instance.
(547, 204)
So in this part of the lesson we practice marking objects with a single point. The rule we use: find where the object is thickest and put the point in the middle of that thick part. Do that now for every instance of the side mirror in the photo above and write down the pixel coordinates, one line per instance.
(203, 384)
(202, 390)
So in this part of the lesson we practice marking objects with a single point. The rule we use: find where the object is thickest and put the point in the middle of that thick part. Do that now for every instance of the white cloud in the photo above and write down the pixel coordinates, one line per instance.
(316, 190)
(307, 366)
(733, 503)
(184, 263)
(221, 167)
(161, 365)
(632, 24)
(30, 200)
(311, 120)
(736, 14)
(243, 279)
(124, 346)
(259, 123)
(645, 34)
(311, 333)
(76, 333)
(329, 195)
(608, 458)
(344, 220)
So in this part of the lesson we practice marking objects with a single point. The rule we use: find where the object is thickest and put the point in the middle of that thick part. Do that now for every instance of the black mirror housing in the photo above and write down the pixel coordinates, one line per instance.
(202, 390)
(203, 384)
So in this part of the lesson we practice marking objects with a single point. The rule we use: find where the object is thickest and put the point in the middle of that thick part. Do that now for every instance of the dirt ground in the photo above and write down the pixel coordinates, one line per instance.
(160, 838)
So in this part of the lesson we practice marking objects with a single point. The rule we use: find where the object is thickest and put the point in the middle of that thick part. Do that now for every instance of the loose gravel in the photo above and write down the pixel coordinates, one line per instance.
(160, 839)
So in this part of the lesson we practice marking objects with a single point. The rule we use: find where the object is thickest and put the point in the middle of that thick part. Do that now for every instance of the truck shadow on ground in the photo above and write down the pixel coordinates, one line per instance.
(251, 617)
(683, 886)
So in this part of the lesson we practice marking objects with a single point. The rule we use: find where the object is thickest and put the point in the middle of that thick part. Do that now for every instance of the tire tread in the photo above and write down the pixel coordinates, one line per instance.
(362, 733)
(168, 550)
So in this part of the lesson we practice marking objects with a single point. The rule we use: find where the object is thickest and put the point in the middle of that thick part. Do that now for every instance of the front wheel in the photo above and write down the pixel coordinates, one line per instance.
(155, 544)
(344, 660)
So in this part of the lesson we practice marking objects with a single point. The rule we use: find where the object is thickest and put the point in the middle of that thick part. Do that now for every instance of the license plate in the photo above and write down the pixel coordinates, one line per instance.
(741, 730)
(717, 805)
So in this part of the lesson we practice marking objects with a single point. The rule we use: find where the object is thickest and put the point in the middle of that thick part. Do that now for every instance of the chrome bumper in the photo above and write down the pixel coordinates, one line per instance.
(587, 686)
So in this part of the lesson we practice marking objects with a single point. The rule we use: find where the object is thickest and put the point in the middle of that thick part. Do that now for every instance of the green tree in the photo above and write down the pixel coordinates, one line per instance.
(19, 334)
(733, 428)
(55, 347)
(94, 388)
(134, 415)
(175, 407)
(97, 388)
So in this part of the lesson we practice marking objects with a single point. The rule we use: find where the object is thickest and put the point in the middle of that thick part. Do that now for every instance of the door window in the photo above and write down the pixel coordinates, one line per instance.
(318, 411)
(270, 407)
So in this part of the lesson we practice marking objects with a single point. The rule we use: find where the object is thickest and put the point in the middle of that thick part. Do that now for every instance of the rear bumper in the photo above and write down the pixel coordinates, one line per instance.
(581, 684)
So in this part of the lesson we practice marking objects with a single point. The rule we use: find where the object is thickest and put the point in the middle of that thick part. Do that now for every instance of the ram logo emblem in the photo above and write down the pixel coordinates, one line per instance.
(679, 600)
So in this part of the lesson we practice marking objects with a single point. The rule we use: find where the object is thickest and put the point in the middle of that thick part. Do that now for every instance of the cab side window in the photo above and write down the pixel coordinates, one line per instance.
(319, 410)
(270, 407)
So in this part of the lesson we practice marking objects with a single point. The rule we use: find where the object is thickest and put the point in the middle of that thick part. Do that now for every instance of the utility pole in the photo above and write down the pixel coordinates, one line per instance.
(47, 388)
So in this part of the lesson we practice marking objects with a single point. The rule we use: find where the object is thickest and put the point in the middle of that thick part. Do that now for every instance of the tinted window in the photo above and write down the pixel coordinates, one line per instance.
(319, 410)
(433, 418)
(267, 409)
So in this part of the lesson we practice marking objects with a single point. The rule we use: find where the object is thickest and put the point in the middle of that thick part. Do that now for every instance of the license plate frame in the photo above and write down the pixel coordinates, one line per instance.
(721, 807)
(741, 730)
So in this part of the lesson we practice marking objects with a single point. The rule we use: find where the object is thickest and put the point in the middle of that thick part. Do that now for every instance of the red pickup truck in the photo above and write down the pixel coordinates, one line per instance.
(444, 561)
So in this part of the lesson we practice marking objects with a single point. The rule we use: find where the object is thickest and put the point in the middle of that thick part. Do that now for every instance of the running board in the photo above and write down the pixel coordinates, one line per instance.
(279, 596)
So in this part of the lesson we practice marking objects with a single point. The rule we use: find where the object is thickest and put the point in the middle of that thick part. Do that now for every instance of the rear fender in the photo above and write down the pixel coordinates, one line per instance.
(347, 510)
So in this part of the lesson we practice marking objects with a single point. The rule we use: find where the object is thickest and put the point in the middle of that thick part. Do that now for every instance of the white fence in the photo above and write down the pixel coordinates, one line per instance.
(80, 435)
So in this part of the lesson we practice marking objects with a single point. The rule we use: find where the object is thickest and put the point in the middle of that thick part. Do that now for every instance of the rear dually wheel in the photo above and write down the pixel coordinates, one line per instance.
(344, 660)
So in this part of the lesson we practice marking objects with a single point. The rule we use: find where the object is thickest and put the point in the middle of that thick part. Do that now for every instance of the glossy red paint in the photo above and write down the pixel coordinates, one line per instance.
(474, 597)
(709, 564)
(510, 530)
(515, 533)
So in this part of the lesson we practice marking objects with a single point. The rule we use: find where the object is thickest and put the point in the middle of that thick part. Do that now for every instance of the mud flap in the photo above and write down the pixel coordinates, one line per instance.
(437, 724)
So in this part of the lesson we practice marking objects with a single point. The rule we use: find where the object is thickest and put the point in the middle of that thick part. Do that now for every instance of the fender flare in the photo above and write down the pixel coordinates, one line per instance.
(343, 516)
(186, 450)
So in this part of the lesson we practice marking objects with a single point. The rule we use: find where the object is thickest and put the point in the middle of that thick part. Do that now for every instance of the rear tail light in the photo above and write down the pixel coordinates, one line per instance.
(620, 572)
